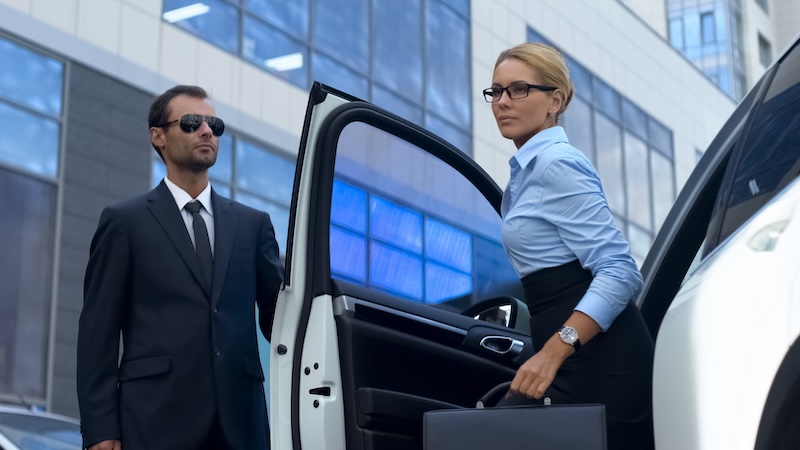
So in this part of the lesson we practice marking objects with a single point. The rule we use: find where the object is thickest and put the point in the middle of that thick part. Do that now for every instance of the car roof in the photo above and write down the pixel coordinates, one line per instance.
(12, 409)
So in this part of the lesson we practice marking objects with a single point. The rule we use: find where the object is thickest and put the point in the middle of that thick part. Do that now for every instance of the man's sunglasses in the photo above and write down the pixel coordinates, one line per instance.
(192, 122)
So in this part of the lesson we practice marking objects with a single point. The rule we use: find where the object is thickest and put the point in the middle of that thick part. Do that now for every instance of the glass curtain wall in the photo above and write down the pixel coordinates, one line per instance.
(31, 107)
(411, 57)
(709, 34)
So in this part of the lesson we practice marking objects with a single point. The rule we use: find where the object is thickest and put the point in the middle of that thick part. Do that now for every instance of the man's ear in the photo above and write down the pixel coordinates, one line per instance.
(157, 137)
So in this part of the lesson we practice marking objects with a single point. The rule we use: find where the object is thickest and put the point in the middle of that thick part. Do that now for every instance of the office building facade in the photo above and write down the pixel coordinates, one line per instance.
(75, 102)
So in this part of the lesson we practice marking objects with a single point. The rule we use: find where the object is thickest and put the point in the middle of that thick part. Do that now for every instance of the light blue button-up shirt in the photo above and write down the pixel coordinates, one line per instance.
(554, 211)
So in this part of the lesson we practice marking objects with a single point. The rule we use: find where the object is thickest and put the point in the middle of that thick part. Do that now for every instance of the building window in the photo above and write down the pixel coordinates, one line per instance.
(709, 34)
(708, 28)
(31, 92)
(387, 246)
(764, 51)
(411, 57)
(633, 153)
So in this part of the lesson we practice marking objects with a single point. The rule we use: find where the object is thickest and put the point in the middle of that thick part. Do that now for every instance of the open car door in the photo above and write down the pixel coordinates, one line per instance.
(399, 298)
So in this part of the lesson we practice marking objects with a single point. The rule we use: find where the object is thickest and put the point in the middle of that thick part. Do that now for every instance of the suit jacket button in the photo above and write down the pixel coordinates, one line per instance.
(216, 351)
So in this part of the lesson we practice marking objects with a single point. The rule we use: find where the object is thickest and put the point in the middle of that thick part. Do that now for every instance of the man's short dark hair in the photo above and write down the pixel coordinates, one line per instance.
(159, 110)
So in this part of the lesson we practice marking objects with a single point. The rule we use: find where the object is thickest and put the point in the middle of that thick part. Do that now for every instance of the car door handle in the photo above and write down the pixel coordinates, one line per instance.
(502, 345)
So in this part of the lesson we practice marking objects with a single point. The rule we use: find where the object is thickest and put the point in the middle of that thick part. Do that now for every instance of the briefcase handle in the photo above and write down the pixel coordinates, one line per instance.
(492, 397)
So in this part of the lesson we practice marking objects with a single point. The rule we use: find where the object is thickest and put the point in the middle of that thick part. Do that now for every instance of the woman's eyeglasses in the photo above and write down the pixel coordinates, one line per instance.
(515, 91)
(192, 122)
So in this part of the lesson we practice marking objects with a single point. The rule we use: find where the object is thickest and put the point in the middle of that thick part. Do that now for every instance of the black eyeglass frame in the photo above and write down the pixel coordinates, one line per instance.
(488, 93)
(192, 122)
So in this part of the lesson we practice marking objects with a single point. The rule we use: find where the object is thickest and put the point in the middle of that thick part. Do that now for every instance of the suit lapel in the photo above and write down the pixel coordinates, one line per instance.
(162, 205)
(225, 220)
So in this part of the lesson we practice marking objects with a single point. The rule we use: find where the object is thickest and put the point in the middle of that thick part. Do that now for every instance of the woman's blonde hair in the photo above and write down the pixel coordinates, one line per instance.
(547, 64)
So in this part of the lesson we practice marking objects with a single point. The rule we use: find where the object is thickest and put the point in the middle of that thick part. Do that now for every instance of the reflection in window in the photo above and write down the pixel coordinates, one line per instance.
(33, 144)
(342, 31)
(329, 71)
(269, 48)
(395, 270)
(397, 249)
(398, 47)
(263, 173)
(709, 31)
(637, 181)
(291, 16)
(609, 161)
(31, 80)
(447, 84)
(217, 21)
(351, 207)
(409, 56)
(396, 224)
(26, 239)
(577, 120)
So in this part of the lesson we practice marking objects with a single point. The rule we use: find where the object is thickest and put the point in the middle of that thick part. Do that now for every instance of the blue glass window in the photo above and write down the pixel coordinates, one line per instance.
(443, 283)
(33, 143)
(581, 79)
(634, 119)
(214, 20)
(332, 73)
(449, 133)
(393, 103)
(398, 50)
(461, 6)
(348, 255)
(342, 32)
(275, 51)
(607, 99)
(30, 79)
(264, 173)
(395, 270)
(676, 33)
(349, 207)
(278, 214)
(609, 161)
(448, 84)
(660, 137)
(222, 170)
(577, 121)
(637, 173)
(289, 16)
(448, 245)
(708, 28)
(395, 224)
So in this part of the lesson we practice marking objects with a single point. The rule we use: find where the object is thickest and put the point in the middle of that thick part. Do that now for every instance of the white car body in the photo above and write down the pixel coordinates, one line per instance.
(727, 333)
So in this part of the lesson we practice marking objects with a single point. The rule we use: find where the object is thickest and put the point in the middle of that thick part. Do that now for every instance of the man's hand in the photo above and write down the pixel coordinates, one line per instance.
(107, 445)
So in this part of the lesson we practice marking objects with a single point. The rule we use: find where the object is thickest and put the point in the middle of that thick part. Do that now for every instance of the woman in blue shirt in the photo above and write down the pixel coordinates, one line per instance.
(575, 265)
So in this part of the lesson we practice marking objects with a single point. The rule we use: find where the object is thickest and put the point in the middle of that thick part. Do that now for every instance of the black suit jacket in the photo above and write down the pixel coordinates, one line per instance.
(189, 353)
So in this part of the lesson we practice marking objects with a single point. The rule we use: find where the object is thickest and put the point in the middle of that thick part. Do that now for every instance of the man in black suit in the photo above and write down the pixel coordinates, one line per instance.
(177, 272)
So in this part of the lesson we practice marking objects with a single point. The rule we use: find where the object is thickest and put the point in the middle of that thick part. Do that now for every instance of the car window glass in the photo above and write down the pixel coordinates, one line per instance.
(405, 223)
(770, 154)
(31, 431)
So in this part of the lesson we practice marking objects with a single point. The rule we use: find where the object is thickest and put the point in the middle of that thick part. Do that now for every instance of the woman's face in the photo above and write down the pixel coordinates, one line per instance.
(520, 119)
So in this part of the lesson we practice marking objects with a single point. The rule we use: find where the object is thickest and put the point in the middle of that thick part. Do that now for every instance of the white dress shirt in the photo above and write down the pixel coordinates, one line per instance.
(182, 198)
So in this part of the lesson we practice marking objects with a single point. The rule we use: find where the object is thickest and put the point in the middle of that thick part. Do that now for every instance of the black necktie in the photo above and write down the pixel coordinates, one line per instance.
(201, 242)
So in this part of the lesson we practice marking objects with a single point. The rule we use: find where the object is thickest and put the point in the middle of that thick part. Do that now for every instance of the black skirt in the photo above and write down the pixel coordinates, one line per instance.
(614, 368)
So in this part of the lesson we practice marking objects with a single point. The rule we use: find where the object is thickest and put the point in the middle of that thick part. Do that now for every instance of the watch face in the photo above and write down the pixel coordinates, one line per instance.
(569, 335)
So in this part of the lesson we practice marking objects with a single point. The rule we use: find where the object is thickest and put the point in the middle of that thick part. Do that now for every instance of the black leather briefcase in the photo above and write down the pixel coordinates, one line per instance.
(536, 427)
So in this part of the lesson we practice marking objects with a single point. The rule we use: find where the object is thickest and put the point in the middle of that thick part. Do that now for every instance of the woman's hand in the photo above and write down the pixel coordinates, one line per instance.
(538, 372)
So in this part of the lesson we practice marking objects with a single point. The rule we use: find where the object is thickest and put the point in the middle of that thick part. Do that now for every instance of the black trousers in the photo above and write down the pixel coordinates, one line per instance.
(614, 368)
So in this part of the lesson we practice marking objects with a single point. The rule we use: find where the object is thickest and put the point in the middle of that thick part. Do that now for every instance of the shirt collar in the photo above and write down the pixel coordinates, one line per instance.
(538, 143)
(182, 197)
